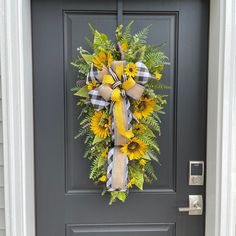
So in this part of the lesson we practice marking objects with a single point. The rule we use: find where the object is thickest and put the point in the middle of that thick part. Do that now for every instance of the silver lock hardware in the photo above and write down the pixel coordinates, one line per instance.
(196, 173)
(195, 205)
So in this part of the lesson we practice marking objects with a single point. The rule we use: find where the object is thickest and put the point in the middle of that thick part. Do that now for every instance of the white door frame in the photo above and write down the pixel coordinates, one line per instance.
(17, 97)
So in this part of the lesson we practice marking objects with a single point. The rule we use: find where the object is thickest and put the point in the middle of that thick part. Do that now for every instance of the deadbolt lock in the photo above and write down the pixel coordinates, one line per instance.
(196, 173)
(195, 205)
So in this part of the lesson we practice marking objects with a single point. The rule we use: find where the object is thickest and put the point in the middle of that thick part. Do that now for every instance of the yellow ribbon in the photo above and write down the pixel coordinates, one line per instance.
(132, 89)
(118, 114)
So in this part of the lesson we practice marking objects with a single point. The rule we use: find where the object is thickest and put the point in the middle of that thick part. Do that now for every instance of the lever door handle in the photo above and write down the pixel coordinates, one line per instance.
(195, 205)
(187, 209)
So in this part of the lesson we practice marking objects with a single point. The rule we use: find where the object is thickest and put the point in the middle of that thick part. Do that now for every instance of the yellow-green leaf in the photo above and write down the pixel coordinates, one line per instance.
(121, 196)
(97, 139)
(146, 157)
(83, 92)
(137, 173)
(101, 161)
(87, 57)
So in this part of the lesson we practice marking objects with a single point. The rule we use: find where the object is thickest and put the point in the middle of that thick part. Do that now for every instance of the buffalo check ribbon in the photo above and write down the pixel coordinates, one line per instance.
(115, 90)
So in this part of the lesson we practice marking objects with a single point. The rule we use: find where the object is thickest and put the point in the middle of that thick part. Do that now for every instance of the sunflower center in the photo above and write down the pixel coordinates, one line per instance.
(104, 123)
(141, 105)
(133, 146)
(130, 69)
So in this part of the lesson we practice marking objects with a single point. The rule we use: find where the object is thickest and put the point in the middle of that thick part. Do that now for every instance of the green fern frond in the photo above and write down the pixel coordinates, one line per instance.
(155, 58)
(82, 67)
(86, 119)
(150, 170)
(141, 36)
(152, 144)
(96, 168)
(152, 122)
(154, 157)
(91, 28)
(127, 33)
(81, 133)
(156, 85)
(102, 43)
(89, 42)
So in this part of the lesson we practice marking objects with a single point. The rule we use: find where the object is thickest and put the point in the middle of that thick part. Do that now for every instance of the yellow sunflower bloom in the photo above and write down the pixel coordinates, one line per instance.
(144, 107)
(135, 148)
(142, 162)
(138, 128)
(103, 178)
(105, 152)
(131, 70)
(131, 182)
(102, 59)
(124, 46)
(92, 85)
(158, 76)
(100, 124)
(109, 59)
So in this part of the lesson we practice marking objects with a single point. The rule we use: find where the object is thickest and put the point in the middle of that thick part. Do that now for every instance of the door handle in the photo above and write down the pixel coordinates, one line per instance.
(195, 205)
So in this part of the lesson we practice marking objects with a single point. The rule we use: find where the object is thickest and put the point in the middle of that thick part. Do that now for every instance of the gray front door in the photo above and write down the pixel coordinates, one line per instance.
(67, 202)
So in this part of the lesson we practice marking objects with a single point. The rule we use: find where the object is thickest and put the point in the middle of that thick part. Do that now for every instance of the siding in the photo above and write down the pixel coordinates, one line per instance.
(2, 212)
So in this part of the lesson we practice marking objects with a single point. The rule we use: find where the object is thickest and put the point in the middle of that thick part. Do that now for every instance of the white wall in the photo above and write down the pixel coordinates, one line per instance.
(2, 212)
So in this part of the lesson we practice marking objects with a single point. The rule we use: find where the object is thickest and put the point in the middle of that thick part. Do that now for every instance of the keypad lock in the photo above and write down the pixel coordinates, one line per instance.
(196, 173)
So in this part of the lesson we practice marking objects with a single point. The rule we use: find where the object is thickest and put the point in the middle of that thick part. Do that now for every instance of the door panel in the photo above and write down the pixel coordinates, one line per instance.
(165, 23)
(67, 202)
(117, 230)
(75, 30)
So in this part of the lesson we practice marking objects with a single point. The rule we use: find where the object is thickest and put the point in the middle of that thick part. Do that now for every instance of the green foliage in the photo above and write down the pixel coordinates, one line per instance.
(156, 85)
(89, 43)
(82, 92)
(102, 43)
(153, 59)
(152, 123)
(97, 139)
(118, 195)
(150, 142)
(81, 133)
(150, 171)
(97, 168)
(82, 66)
(127, 36)
(141, 36)
(137, 172)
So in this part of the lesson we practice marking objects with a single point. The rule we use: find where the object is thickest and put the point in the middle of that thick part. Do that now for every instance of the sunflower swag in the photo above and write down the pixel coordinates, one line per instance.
(118, 87)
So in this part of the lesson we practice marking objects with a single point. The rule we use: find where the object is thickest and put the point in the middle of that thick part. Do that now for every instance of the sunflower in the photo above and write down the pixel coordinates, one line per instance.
(144, 107)
(134, 149)
(138, 128)
(92, 85)
(103, 178)
(131, 182)
(131, 70)
(102, 59)
(100, 124)
(158, 76)
(105, 152)
(142, 162)
(124, 46)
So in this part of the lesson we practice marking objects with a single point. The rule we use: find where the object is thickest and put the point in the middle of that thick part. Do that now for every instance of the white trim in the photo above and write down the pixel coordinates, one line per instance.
(17, 89)
(220, 206)
(16, 62)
